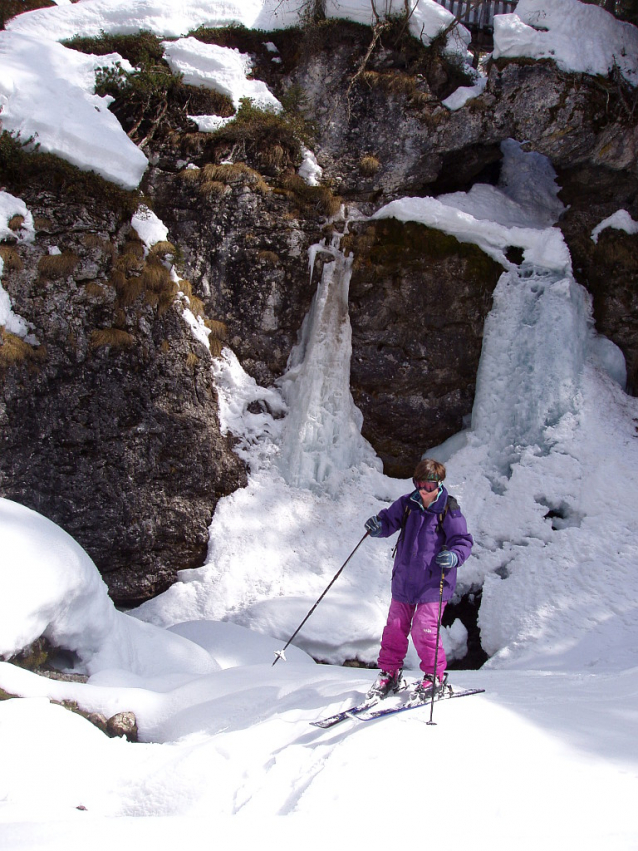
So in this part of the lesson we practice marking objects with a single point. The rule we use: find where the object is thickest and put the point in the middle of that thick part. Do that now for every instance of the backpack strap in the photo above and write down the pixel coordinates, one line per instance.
(450, 505)
(404, 520)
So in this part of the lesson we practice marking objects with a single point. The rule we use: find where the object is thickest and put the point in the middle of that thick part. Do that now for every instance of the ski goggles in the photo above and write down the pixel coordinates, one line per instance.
(426, 486)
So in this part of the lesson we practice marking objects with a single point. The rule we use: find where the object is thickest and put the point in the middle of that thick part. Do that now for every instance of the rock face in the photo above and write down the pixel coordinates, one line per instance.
(110, 426)
(608, 267)
(419, 299)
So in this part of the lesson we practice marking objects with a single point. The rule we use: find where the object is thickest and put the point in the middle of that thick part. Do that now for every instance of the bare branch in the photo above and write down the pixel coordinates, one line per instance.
(377, 29)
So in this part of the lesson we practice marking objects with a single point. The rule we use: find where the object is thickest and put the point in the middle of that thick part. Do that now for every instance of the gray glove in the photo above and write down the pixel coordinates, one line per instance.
(447, 559)
(374, 527)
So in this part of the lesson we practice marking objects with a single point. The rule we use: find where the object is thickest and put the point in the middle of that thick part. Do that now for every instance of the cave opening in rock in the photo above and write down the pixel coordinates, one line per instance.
(466, 609)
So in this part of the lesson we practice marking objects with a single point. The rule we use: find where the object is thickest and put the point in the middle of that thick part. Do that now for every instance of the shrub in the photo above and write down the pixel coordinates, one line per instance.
(141, 48)
(150, 98)
(268, 139)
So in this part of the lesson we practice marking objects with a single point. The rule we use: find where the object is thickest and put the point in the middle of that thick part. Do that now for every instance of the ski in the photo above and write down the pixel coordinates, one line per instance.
(355, 710)
(416, 704)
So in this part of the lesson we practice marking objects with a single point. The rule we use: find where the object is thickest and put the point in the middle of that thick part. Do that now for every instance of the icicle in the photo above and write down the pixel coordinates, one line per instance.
(535, 344)
(322, 434)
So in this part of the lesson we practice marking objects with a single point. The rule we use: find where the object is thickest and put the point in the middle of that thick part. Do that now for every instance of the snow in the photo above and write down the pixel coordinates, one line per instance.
(579, 37)
(49, 586)
(46, 95)
(620, 220)
(148, 227)
(10, 206)
(544, 474)
(463, 94)
(310, 170)
(219, 68)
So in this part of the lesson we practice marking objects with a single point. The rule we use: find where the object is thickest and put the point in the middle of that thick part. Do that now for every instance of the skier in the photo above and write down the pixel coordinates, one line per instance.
(433, 539)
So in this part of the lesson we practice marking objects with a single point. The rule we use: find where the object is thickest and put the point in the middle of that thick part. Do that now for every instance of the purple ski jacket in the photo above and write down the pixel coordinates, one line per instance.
(415, 576)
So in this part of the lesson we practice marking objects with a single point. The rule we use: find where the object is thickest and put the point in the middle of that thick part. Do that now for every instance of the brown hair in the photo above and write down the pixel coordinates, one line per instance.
(428, 468)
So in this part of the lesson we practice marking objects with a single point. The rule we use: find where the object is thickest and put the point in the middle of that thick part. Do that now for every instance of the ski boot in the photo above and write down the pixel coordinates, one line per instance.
(386, 683)
(429, 685)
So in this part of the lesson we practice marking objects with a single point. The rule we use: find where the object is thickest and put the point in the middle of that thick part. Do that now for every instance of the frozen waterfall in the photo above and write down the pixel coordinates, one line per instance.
(322, 433)
(535, 344)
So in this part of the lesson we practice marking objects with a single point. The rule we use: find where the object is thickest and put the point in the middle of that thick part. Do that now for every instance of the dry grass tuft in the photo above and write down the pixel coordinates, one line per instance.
(42, 224)
(54, 266)
(113, 337)
(129, 262)
(197, 305)
(218, 329)
(14, 350)
(268, 257)
(163, 249)
(394, 83)
(15, 222)
(212, 176)
(128, 289)
(11, 259)
(186, 287)
(214, 188)
(311, 200)
(95, 289)
(190, 175)
(369, 166)
(215, 346)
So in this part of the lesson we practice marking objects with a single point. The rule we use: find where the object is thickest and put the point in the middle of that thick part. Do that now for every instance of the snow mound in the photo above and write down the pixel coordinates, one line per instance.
(579, 37)
(50, 587)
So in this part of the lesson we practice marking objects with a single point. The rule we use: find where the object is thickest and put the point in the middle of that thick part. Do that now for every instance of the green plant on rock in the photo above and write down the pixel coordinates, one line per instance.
(140, 48)
(151, 98)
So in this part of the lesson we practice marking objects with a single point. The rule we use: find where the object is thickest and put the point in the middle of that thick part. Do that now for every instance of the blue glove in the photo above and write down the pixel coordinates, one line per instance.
(374, 527)
(447, 559)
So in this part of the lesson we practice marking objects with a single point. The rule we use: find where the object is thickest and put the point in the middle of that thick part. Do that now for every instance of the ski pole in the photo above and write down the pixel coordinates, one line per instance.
(436, 649)
(280, 654)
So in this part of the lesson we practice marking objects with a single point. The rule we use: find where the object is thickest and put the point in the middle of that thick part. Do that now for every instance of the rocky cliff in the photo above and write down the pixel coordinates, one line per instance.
(109, 426)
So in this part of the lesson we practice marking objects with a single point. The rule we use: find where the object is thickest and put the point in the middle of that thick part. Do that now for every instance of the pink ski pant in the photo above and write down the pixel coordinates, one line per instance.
(422, 620)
